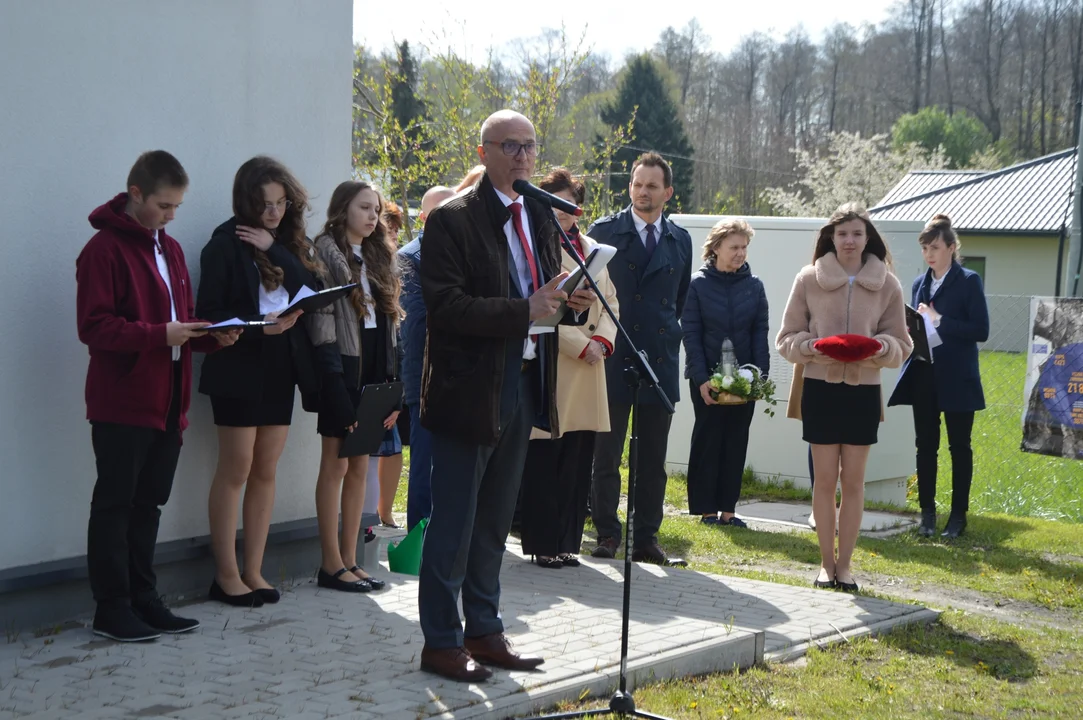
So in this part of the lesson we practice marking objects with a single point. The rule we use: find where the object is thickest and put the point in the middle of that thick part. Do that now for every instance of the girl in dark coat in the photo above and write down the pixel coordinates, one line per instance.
(953, 299)
(725, 301)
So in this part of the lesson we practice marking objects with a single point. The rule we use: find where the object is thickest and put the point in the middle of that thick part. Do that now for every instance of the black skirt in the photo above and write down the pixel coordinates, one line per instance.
(274, 405)
(839, 414)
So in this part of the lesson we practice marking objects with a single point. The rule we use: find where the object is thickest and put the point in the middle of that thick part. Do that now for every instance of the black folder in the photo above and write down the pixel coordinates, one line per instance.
(319, 300)
(377, 402)
(915, 324)
(573, 282)
(230, 325)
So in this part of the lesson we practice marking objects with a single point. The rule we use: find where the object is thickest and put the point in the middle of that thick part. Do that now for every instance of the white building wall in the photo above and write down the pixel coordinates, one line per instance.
(88, 86)
(780, 248)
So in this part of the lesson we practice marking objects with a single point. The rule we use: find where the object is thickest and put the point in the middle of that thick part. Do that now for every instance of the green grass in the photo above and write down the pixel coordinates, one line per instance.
(1028, 559)
(1006, 479)
(961, 667)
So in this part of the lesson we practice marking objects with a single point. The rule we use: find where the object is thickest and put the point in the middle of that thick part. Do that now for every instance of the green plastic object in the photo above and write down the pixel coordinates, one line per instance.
(405, 556)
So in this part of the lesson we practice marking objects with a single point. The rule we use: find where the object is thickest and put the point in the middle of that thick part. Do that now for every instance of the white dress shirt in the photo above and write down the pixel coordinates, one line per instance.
(641, 227)
(163, 270)
(370, 302)
(522, 269)
(272, 300)
(937, 282)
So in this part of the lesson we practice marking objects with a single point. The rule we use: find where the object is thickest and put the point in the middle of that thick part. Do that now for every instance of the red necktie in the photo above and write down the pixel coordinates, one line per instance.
(517, 221)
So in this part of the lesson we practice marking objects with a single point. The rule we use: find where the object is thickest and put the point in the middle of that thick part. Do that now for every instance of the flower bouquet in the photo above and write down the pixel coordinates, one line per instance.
(735, 385)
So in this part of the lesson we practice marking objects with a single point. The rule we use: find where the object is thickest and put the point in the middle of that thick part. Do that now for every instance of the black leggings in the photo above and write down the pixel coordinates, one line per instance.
(927, 439)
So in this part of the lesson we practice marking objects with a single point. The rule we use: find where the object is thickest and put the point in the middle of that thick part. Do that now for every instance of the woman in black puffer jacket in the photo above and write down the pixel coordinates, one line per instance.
(725, 301)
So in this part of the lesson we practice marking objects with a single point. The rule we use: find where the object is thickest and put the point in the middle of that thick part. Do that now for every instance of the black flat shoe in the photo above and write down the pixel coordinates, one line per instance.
(955, 527)
(824, 584)
(846, 587)
(333, 582)
(248, 599)
(547, 562)
(372, 582)
(568, 560)
(734, 522)
(268, 595)
(928, 523)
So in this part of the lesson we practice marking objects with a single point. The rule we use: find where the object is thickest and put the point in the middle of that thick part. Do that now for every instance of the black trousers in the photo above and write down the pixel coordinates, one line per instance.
(927, 438)
(556, 483)
(654, 424)
(716, 460)
(135, 476)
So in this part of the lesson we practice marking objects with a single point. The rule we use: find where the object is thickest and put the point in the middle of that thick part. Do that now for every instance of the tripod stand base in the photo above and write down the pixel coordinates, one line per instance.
(622, 704)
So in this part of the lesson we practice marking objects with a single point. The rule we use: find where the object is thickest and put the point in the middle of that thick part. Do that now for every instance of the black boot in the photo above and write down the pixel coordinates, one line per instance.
(956, 525)
(928, 523)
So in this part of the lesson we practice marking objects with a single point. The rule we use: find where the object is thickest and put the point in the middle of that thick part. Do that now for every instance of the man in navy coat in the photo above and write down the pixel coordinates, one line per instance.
(651, 272)
(418, 491)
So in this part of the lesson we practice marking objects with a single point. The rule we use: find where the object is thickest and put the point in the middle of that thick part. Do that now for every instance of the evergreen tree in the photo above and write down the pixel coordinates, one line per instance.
(657, 126)
(410, 113)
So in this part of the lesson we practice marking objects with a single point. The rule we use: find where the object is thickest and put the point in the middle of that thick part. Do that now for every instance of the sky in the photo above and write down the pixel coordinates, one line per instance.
(473, 27)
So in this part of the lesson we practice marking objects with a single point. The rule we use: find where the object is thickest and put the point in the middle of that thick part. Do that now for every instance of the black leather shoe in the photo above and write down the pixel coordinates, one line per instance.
(120, 623)
(268, 595)
(158, 616)
(656, 555)
(928, 523)
(547, 561)
(372, 582)
(955, 527)
(335, 582)
(248, 599)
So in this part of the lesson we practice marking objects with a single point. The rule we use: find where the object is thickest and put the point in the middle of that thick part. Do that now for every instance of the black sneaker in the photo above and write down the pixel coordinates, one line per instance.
(158, 616)
(120, 623)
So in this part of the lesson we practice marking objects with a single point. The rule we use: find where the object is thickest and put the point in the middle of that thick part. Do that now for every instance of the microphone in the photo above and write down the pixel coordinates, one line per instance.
(531, 191)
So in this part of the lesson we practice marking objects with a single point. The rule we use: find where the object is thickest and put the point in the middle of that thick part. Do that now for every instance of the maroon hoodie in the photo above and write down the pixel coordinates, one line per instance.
(122, 309)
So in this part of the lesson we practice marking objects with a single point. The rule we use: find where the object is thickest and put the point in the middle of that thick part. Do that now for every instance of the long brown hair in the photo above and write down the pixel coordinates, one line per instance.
(875, 245)
(378, 255)
(248, 207)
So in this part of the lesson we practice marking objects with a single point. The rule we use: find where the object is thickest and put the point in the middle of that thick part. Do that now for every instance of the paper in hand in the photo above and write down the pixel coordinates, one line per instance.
(931, 333)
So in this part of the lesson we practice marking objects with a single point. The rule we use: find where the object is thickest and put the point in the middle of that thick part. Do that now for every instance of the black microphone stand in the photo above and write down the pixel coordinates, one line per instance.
(637, 374)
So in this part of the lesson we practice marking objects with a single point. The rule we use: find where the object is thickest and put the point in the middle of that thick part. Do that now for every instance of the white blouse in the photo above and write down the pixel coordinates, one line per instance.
(370, 302)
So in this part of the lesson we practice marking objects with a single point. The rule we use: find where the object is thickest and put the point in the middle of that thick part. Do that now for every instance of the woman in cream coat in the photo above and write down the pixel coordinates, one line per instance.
(848, 289)
(556, 481)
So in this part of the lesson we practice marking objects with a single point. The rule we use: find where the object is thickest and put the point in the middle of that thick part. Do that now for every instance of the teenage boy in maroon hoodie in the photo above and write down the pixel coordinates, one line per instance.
(134, 308)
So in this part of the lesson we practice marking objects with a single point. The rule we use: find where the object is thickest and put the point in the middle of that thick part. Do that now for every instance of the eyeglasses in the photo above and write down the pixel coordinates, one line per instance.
(280, 206)
(512, 148)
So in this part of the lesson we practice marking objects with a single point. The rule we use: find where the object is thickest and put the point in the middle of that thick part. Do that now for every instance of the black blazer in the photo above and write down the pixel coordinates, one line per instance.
(228, 288)
(964, 323)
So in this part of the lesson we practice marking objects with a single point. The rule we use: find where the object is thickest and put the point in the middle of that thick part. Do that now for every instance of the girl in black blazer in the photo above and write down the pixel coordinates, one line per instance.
(951, 297)
(251, 267)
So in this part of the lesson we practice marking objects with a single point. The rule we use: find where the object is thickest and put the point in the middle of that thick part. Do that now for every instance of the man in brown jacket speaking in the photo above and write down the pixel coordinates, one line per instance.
(490, 265)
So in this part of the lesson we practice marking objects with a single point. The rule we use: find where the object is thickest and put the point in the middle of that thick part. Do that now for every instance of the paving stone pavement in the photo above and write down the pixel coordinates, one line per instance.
(321, 654)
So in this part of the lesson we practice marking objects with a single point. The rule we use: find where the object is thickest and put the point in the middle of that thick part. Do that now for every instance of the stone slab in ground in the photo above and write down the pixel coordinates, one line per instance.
(322, 654)
(796, 515)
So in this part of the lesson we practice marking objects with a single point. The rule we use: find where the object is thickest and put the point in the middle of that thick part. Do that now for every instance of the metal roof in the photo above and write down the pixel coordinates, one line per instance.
(918, 182)
(1034, 196)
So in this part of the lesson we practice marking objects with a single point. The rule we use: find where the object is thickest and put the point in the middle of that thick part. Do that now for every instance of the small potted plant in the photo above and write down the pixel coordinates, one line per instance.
(733, 384)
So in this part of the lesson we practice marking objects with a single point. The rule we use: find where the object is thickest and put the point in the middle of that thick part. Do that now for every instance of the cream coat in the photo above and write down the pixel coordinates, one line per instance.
(823, 303)
(582, 401)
